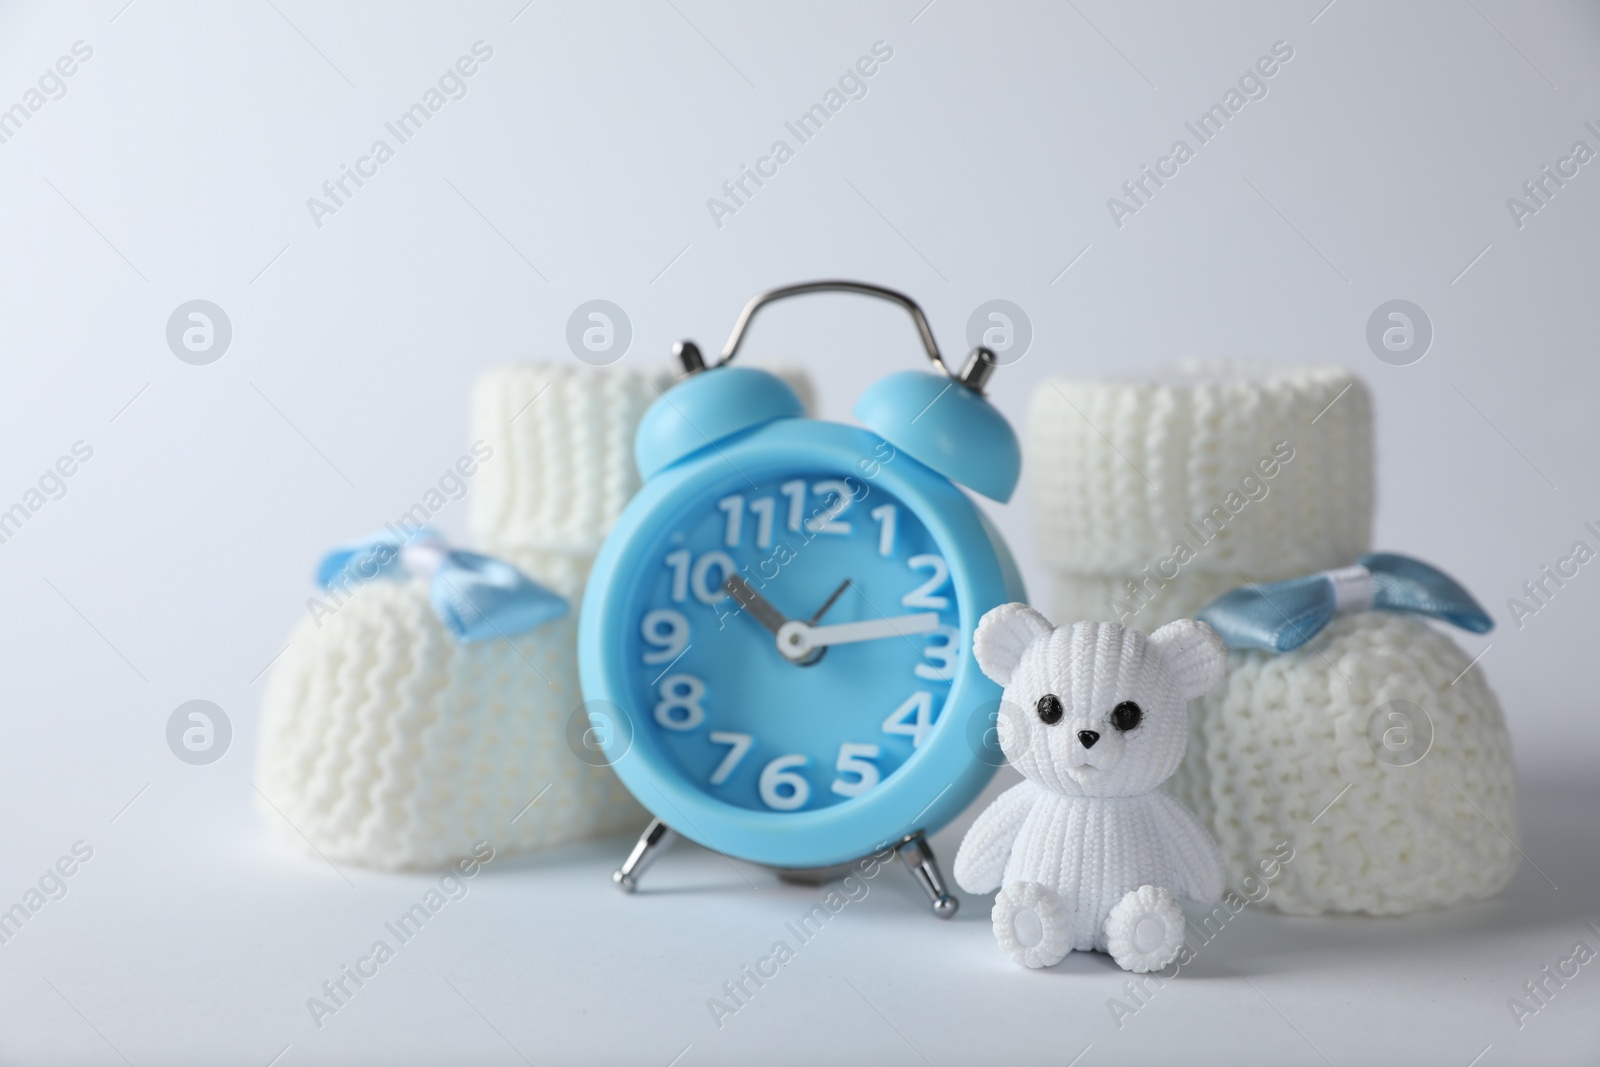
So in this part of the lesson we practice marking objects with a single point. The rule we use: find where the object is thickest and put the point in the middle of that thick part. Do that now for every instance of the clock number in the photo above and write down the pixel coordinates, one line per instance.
(922, 596)
(740, 744)
(796, 492)
(943, 655)
(918, 707)
(839, 498)
(679, 562)
(668, 630)
(698, 577)
(856, 760)
(779, 774)
(705, 590)
(886, 515)
(680, 708)
(733, 506)
(764, 508)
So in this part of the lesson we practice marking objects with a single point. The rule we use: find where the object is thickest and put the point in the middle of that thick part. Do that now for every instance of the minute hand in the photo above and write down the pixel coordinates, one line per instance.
(797, 639)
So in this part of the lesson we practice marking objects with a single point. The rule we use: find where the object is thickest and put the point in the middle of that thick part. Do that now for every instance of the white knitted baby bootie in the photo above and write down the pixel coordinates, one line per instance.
(1362, 773)
(1031, 925)
(1144, 930)
(387, 742)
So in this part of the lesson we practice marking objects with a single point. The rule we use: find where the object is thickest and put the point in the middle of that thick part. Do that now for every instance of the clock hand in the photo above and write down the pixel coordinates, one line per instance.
(826, 604)
(758, 606)
(797, 639)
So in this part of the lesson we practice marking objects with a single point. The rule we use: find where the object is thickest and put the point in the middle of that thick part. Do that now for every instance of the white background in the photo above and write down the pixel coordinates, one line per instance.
(177, 166)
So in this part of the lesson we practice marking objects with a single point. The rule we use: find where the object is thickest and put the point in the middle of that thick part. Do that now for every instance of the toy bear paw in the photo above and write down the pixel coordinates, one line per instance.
(1031, 924)
(1145, 930)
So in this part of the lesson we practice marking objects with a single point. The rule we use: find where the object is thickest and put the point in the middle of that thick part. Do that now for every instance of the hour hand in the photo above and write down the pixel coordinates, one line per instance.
(756, 604)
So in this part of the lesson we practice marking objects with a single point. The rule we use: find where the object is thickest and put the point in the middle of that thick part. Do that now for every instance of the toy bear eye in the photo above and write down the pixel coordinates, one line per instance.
(1049, 707)
(1126, 715)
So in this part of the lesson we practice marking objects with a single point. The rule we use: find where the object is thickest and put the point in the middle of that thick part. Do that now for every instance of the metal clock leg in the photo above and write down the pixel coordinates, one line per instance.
(656, 839)
(918, 858)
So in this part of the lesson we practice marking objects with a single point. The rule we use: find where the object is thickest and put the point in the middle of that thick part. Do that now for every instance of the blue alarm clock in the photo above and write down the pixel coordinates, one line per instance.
(776, 639)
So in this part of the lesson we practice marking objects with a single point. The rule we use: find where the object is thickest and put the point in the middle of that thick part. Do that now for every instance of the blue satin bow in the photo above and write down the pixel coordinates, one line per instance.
(1282, 616)
(477, 597)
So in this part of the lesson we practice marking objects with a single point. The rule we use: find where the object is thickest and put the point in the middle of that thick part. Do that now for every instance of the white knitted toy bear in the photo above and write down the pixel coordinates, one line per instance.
(1088, 853)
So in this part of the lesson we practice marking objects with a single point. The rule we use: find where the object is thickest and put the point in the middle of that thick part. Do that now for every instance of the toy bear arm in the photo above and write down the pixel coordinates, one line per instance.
(981, 859)
(1196, 860)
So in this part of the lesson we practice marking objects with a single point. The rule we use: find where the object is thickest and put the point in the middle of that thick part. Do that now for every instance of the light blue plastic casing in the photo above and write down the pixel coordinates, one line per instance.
(948, 427)
(734, 424)
(709, 407)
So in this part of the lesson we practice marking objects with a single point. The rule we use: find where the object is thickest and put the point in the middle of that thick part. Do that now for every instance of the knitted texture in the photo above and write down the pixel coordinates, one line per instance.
(1151, 497)
(1385, 766)
(1095, 718)
(1093, 596)
(387, 743)
(563, 466)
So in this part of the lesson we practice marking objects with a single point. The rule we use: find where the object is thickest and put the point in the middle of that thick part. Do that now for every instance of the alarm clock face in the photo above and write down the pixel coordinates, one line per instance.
(823, 702)
(854, 680)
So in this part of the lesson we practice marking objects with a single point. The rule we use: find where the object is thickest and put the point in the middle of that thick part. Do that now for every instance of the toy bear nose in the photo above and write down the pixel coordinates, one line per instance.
(1088, 737)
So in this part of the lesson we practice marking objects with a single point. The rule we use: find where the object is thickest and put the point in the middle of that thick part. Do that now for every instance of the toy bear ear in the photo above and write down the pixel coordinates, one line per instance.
(1193, 654)
(1004, 634)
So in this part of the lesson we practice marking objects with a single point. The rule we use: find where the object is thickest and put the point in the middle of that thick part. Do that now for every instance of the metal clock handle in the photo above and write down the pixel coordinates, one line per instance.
(980, 364)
